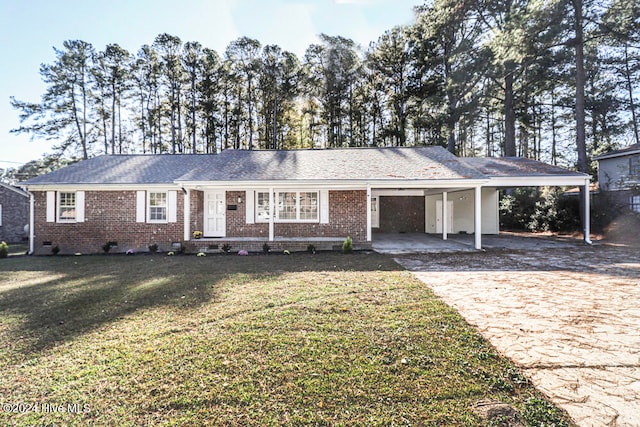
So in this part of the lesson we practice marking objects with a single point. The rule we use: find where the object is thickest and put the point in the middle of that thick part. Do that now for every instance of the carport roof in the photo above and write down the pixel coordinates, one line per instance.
(514, 167)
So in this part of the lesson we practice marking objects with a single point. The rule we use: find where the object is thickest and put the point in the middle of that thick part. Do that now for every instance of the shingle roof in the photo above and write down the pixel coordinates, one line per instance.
(400, 164)
(124, 169)
(632, 149)
(516, 167)
(424, 163)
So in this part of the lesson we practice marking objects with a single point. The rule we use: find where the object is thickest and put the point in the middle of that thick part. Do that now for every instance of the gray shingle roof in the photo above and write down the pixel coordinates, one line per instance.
(516, 167)
(400, 163)
(425, 163)
(632, 149)
(124, 169)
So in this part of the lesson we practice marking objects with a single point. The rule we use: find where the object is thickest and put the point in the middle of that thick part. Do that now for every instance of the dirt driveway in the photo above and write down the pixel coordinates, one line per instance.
(570, 317)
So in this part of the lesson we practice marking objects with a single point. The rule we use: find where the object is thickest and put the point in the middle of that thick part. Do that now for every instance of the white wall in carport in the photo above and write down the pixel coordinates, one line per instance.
(463, 211)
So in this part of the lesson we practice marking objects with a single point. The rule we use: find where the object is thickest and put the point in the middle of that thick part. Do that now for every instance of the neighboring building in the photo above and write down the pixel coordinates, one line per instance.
(14, 213)
(619, 176)
(288, 199)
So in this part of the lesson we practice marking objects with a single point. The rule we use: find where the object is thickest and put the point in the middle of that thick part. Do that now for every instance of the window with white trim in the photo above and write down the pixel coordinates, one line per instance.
(262, 206)
(157, 204)
(291, 206)
(634, 203)
(634, 166)
(66, 206)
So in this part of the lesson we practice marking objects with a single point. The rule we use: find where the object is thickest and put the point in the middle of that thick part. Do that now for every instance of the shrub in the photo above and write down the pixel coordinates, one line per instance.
(347, 245)
(226, 248)
(311, 249)
(4, 250)
(266, 248)
(107, 246)
(55, 250)
(153, 248)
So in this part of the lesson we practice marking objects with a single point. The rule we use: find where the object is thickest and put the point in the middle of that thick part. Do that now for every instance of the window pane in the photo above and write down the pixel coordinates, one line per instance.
(287, 206)
(634, 203)
(308, 206)
(157, 206)
(262, 207)
(67, 206)
(634, 166)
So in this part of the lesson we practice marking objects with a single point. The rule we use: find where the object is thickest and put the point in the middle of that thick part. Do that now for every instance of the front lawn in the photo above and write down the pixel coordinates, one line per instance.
(325, 339)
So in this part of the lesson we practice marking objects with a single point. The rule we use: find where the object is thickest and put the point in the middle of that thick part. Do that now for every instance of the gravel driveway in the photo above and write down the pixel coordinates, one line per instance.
(570, 317)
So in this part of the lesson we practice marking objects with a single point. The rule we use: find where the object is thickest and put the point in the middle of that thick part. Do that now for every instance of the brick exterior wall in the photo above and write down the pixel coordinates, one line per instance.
(401, 214)
(109, 216)
(15, 215)
(347, 217)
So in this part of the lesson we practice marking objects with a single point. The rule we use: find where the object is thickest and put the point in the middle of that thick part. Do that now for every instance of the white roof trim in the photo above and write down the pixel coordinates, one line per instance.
(16, 189)
(618, 154)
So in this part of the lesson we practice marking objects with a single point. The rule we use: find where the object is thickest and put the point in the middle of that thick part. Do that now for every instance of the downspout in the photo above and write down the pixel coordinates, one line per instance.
(32, 221)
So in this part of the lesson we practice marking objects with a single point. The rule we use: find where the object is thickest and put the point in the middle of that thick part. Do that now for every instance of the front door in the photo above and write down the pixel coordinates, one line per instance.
(215, 214)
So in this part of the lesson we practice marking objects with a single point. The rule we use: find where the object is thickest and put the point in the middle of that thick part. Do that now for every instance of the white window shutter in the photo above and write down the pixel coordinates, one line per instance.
(250, 206)
(141, 199)
(79, 206)
(324, 206)
(51, 206)
(172, 206)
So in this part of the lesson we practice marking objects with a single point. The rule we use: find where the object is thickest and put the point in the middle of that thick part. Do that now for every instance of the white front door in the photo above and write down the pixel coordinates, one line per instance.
(375, 212)
(215, 221)
(439, 216)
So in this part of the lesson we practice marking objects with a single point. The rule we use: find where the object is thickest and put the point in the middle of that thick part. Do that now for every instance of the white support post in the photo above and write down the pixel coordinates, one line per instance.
(445, 214)
(187, 214)
(271, 215)
(587, 214)
(368, 212)
(478, 217)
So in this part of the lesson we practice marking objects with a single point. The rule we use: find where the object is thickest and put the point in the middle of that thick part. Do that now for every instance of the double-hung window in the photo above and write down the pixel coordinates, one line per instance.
(634, 203)
(66, 206)
(634, 167)
(290, 206)
(157, 207)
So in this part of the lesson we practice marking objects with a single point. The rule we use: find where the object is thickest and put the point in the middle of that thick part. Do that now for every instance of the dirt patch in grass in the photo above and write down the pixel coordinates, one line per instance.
(323, 339)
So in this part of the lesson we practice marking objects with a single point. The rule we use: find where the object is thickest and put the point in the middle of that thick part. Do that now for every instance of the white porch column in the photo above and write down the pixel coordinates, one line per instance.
(445, 213)
(368, 212)
(478, 217)
(271, 215)
(587, 214)
(187, 214)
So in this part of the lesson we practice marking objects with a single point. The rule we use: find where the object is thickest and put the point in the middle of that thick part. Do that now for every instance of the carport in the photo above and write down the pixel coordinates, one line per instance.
(458, 211)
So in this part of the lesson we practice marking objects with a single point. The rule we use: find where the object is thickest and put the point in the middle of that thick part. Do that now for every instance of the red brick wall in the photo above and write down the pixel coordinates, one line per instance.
(237, 220)
(109, 216)
(401, 214)
(347, 217)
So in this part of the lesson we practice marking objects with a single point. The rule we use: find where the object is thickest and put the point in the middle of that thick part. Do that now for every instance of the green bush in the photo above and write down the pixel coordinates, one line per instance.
(347, 246)
(4, 250)
(536, 209)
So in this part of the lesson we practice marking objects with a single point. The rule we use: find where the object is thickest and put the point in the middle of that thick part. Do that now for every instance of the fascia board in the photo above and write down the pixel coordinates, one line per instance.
(538, 181)
(614, 155)
(333, 184)
(99, 187)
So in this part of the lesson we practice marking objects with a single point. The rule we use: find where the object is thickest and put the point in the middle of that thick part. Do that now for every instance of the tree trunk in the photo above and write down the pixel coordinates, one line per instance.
(509, 115)
(632, 106)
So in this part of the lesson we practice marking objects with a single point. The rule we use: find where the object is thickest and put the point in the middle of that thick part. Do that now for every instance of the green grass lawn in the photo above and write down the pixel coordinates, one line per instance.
(325, 339)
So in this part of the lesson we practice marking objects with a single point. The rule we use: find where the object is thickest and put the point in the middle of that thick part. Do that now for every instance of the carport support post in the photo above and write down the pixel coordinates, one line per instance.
(187, 215)
(587, 214)
(445, 222)
(478, 217)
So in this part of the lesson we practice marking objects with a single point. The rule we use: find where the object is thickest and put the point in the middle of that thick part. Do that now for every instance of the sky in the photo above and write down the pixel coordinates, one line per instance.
(30, 29)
